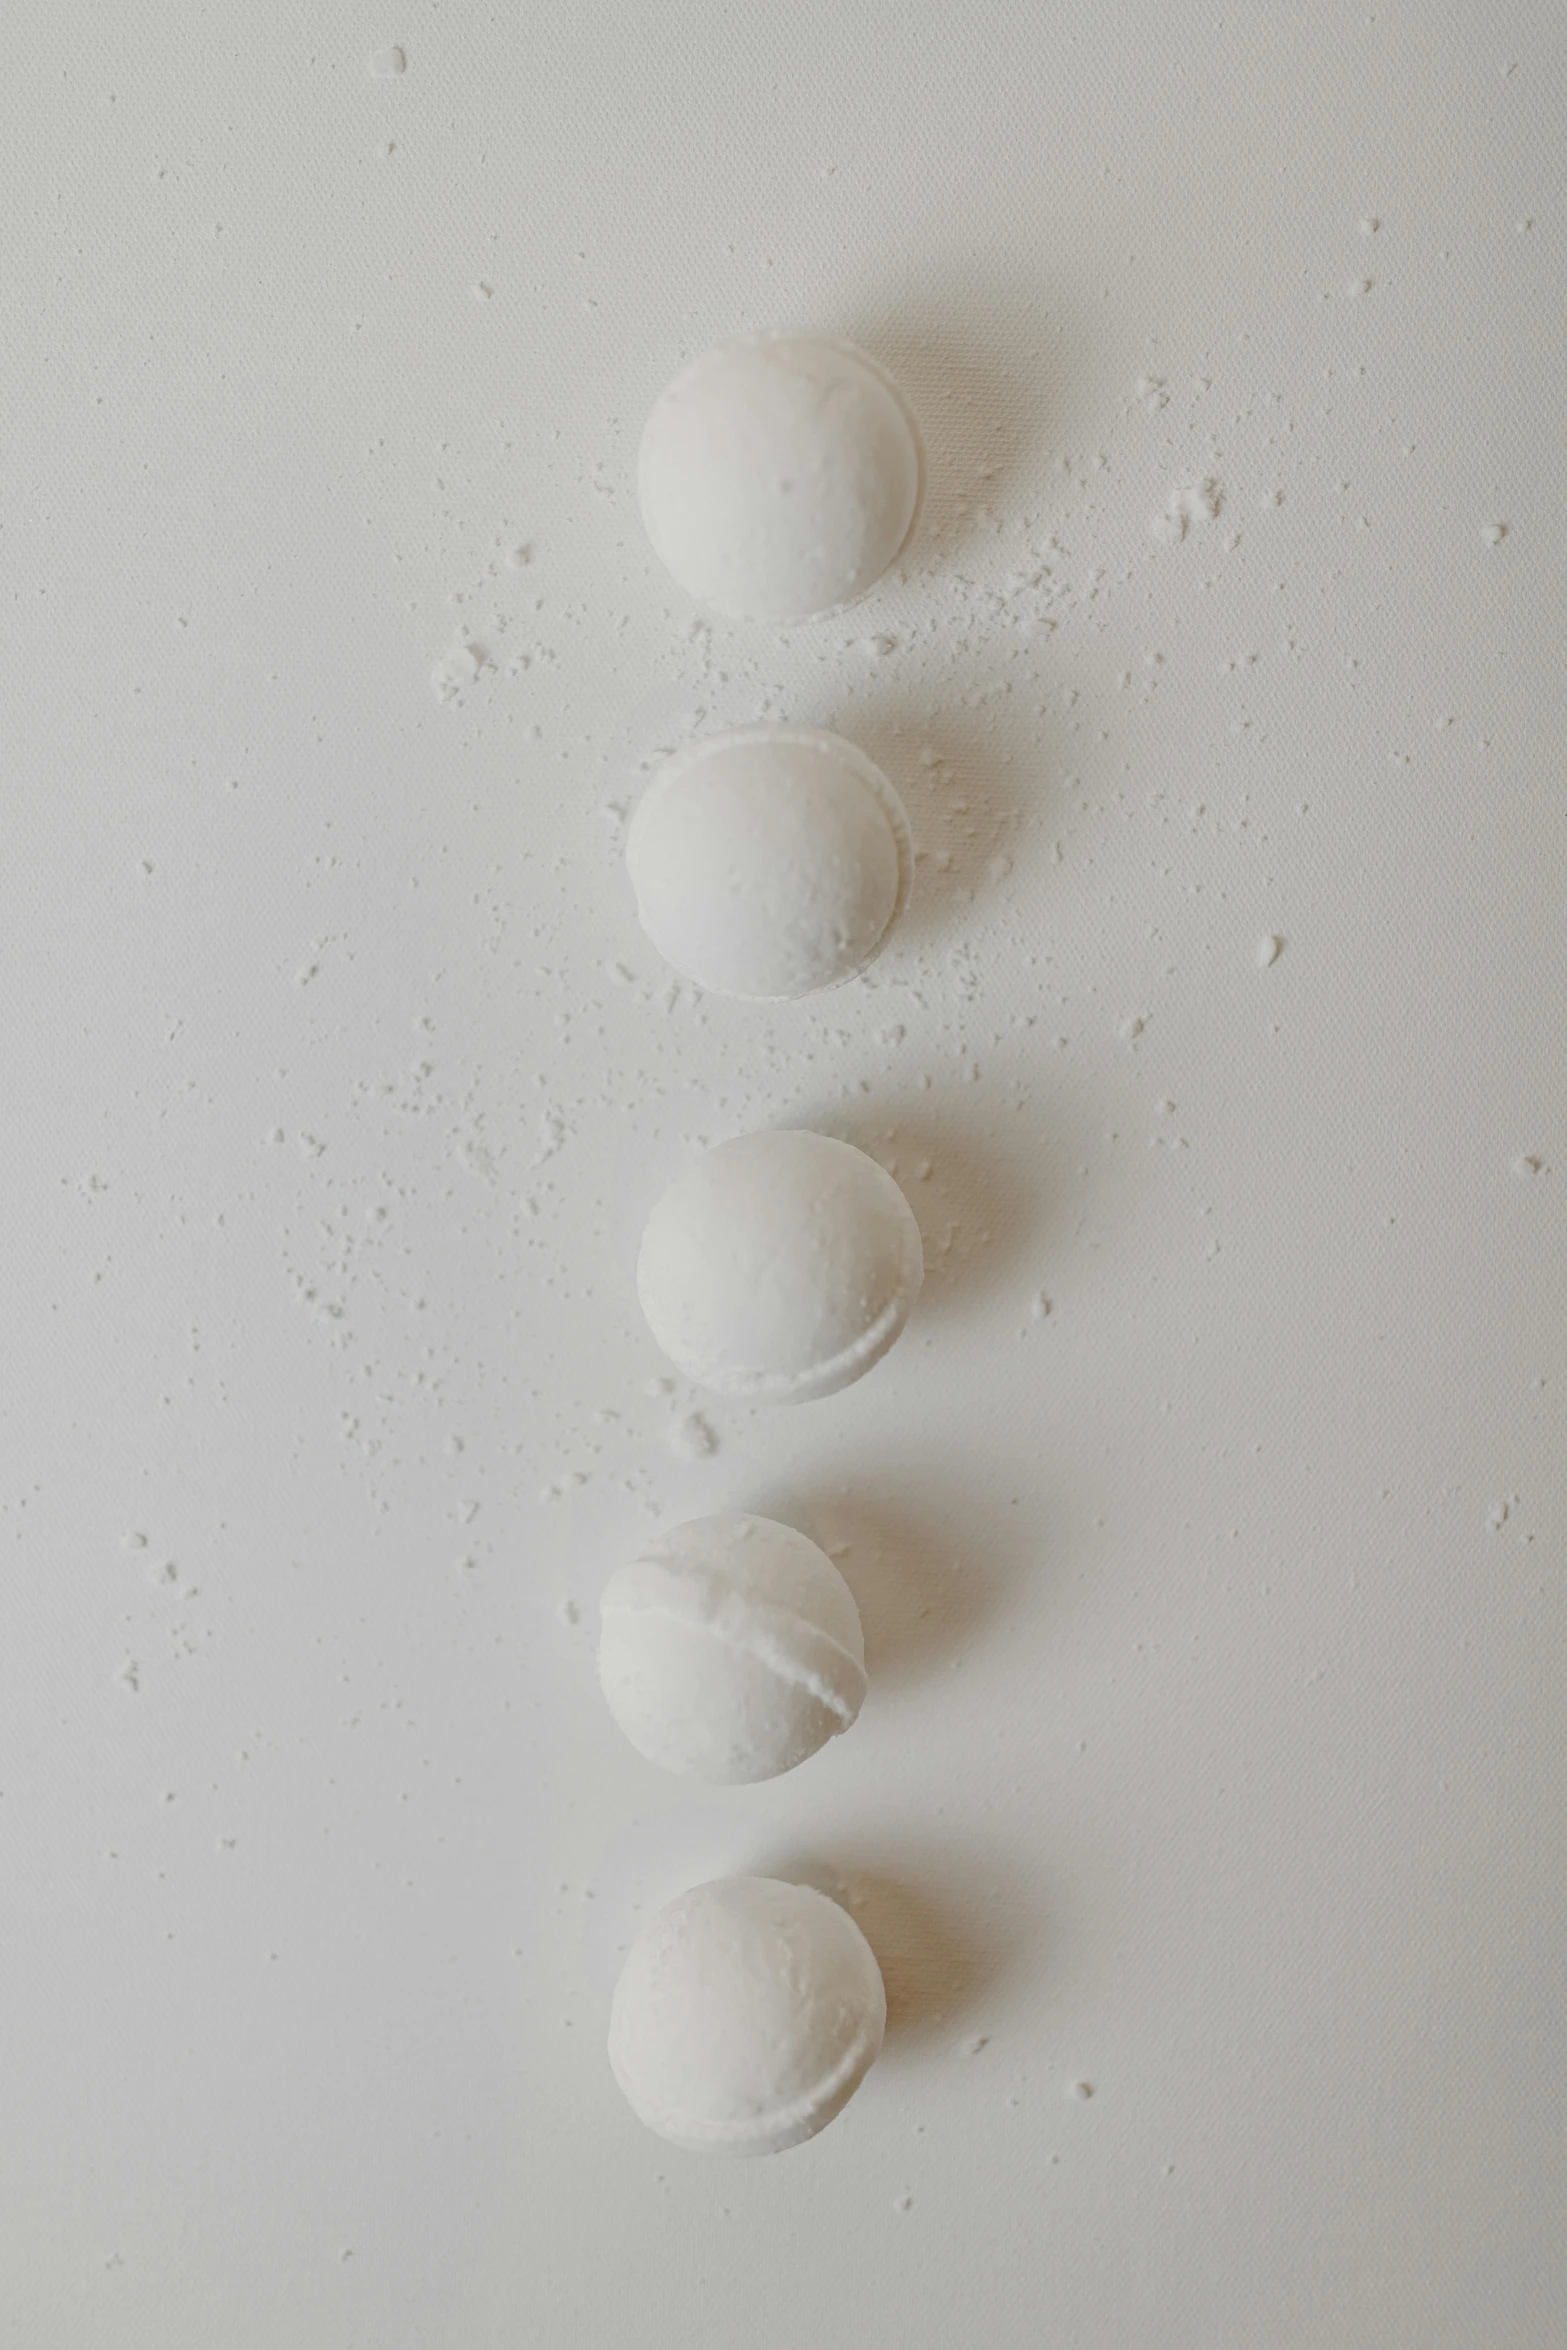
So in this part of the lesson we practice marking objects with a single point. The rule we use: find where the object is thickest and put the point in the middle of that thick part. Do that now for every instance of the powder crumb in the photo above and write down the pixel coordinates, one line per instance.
(973, 2047)
(1494, 533)
(455, 671)
(905, 2203)
(1370, 225)
(1269, 950)
(1040, 1307)
(1080, 2089)
(128, 1677)
(568, 1612)
(1497, 1516)
(1189, 502)
(480, 291)
(519, 557)
(1527, 1164)
(384, 65)
(691, 1439)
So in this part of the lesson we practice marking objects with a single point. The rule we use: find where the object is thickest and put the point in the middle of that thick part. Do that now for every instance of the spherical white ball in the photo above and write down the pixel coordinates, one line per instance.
(747, 2014)
(779, 475)
(769, 861)
(731, 1649)
(779, 1267)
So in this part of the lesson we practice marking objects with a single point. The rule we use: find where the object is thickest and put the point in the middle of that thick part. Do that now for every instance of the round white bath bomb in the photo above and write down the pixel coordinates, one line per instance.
(779, 1267)
(779, 475)
(731, 1649)
(770, 861)
(747, 2014)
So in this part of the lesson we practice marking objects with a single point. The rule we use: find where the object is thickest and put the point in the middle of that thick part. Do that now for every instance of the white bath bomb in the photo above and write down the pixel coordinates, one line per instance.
(779, 1267)
(747, 2014)
(731, 1649)
(779, 475)
(769, 861)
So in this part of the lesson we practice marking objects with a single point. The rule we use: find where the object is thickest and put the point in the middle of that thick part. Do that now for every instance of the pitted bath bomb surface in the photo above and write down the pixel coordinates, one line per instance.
(731, 1649)
(770, 861)
(779, 476)
(780, 1267)
(747, 2014)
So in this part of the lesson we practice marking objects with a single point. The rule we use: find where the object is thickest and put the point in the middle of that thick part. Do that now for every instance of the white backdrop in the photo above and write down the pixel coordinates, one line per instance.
(1213, 1757)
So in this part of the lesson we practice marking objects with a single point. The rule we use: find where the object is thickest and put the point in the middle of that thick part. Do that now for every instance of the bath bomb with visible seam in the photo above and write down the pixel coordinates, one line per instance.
(731, 1649)
(770, 861)
(780, 1267)
(779, 476)
(747, 2014)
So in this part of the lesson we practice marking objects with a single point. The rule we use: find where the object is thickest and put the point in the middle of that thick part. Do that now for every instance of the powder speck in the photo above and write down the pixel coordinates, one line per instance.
(691, 1439)
(1080, 2089)
(383, 65)
(1269, 950)
(1528, 1164)
(454, 671)
(1494, 533)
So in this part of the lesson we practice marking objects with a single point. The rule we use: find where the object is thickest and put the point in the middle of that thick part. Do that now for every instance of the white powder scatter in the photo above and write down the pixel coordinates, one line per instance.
(552, 1128)
(1189, 502)
(384, 65)
(691, 1439)
(1526, 1164)
(455, 672)
(1494, 533)
(1269, 950)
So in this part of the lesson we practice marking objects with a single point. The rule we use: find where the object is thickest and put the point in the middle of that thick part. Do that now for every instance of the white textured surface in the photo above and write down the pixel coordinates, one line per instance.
(769, 861)
(780, 1267)
(746, 2015)
(1213, 1754)
(778, 476)
(731, 1649)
